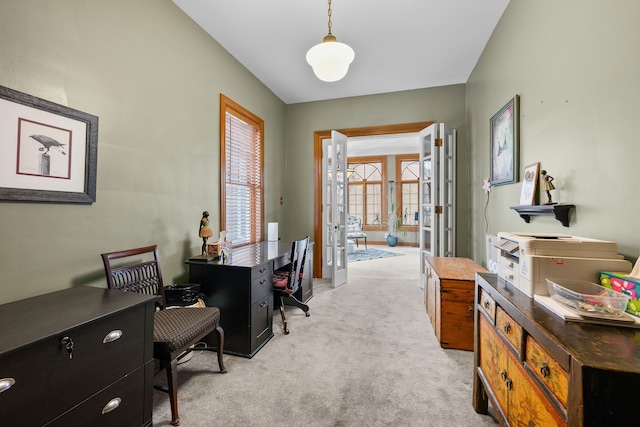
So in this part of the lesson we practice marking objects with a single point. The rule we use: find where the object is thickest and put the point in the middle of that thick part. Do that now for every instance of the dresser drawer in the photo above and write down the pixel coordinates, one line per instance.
(488, 305)
(548, 370)
(48, 382)
(120, 405)
(509, 328)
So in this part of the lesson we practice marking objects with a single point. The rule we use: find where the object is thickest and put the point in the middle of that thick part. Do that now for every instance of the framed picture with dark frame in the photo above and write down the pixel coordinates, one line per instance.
(529, 184)
(505, 143)
(48, 152)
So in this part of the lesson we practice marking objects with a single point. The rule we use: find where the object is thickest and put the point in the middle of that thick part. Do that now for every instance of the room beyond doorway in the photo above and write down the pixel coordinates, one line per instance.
(318, 137)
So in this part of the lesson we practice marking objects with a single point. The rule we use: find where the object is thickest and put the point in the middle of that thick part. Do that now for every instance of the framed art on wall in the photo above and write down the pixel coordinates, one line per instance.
(505, 142)
(48, 152)
(529, 184)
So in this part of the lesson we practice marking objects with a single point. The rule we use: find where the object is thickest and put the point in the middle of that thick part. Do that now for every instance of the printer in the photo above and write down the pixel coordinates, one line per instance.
(527, 259)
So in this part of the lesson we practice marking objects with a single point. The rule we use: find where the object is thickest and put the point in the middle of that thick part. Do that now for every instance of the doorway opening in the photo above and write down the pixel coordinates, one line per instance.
(318, 137)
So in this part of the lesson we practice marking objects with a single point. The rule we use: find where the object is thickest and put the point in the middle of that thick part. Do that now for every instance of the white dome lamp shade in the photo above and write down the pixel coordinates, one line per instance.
(330, 59)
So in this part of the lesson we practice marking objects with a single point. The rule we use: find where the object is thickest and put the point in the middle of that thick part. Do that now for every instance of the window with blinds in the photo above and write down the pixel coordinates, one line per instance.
(241, 181)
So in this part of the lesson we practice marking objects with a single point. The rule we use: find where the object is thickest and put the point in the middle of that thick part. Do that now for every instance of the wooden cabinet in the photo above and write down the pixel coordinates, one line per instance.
(244, 295)
(103, 379)
(538, 370)
(449, 293)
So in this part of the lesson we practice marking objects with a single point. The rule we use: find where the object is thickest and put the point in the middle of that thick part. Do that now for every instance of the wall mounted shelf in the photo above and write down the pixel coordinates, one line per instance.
(561, 212)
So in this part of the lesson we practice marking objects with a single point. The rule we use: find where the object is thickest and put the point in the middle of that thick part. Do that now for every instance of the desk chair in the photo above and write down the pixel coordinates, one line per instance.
(286, 281)
(354, 230)
(175, 331)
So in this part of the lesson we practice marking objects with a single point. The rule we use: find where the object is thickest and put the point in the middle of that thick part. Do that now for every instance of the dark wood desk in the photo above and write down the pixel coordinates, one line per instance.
(242, 288)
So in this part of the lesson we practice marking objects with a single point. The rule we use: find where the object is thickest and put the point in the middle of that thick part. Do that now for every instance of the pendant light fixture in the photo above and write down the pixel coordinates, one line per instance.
(330, 59)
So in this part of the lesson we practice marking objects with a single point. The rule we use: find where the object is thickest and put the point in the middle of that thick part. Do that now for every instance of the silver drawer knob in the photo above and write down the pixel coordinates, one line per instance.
(6, 383)
(111, 405)
(112, 336)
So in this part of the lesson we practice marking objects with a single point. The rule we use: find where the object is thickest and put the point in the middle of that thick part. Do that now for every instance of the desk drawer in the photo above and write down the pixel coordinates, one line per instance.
(260, 287)
(261, 270)
(45, 374)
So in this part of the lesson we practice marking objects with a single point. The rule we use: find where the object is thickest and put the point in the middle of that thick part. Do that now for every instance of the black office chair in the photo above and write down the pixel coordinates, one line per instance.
(175, 331)
(286, 281)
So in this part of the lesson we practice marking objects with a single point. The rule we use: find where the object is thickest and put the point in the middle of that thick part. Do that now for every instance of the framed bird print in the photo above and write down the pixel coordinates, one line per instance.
(505, 143)
(48, 152)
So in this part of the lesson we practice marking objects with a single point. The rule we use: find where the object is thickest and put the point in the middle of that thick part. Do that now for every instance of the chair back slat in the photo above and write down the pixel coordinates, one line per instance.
(141, 277)
(296, 263)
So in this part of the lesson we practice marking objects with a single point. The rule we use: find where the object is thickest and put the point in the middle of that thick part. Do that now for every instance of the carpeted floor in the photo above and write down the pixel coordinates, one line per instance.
(372, 253)
(367, 356)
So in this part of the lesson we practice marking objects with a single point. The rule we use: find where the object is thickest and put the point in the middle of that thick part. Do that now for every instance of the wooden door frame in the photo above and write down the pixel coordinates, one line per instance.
(318, 136)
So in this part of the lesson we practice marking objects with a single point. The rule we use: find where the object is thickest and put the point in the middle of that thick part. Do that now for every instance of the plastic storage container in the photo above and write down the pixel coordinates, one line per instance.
(587, 298)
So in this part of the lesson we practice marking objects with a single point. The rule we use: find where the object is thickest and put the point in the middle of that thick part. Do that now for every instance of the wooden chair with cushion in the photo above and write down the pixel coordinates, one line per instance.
(175, 331)
(286, 281)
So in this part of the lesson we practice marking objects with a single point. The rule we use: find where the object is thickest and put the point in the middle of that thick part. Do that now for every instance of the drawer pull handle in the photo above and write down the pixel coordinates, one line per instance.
(6, 383)
(487, 305)
(507, 328)
(111, 405)
(544, 370)
(263, 304)
(503, 375)
(112, 336)
(509, 384)
(263, 281)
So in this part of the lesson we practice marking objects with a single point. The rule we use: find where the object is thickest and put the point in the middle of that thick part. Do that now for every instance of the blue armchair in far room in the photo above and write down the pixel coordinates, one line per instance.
(354, 230)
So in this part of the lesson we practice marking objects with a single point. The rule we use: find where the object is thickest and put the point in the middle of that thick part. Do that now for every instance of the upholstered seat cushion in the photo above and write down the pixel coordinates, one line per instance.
(175, 328)
(354, 234)
(280, 280)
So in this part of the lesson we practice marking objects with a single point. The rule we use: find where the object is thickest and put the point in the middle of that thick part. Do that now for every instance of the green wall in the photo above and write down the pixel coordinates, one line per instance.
(576, 67)
(153, 78)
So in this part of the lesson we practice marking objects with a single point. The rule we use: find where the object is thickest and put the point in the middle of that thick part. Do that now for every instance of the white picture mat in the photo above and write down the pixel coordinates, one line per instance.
(10, 112)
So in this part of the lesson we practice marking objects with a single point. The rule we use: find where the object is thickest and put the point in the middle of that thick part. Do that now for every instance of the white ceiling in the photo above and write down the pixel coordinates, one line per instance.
(399, 44)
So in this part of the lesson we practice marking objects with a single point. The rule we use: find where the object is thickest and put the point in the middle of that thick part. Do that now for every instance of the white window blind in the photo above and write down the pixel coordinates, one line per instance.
(242, 197)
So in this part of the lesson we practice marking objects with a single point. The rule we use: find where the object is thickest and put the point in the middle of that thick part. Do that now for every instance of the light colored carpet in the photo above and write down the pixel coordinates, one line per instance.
(367, 356)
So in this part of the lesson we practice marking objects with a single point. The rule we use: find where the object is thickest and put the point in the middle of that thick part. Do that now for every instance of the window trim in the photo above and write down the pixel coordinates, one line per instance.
(384, 193)
(227, 105)
(399, 206)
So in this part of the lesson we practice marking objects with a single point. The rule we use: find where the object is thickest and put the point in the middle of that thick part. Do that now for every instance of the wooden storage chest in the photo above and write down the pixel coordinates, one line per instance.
(449, 292)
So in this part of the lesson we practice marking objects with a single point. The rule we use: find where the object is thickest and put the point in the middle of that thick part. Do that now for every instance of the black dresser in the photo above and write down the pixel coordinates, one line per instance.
(80, 356)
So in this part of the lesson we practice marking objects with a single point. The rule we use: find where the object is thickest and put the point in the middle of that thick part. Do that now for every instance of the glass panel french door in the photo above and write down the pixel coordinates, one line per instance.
(429, 172)
(337, 165)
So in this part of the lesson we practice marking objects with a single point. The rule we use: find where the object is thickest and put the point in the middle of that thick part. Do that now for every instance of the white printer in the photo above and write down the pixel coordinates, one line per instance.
(526, 260)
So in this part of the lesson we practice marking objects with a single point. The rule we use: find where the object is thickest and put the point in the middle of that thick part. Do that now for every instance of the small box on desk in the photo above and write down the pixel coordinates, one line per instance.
(625, 284)
(215, 249)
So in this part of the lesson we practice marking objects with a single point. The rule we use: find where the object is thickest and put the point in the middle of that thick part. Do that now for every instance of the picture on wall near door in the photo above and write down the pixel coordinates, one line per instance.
(529, 184)
(505, 143)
